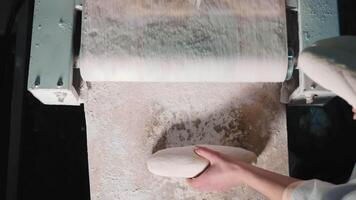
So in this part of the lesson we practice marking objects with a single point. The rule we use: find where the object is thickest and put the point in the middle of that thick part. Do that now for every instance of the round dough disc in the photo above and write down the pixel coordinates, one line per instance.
(185, 163)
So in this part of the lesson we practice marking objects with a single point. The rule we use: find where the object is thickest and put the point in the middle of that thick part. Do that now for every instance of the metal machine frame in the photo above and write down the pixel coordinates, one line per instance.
(317, 20)
(51, 70)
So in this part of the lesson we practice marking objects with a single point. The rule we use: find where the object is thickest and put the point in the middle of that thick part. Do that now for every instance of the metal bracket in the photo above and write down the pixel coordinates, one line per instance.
(318, 19)
(50, 77)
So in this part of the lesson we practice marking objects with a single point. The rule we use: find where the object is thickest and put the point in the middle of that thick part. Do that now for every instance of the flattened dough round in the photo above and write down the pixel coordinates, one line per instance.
(185, 163)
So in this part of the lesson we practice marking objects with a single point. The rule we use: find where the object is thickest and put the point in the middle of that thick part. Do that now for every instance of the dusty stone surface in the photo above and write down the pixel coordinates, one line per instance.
(127, 122)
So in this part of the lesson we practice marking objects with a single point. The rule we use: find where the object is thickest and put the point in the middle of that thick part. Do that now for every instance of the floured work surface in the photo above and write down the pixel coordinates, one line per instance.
(126, 122)
(184, 40)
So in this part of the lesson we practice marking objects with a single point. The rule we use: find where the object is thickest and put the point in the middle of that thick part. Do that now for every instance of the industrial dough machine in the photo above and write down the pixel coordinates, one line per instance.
(54, 77)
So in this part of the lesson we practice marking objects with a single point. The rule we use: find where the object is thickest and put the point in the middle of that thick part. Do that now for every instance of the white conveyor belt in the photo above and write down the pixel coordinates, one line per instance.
(184, 41)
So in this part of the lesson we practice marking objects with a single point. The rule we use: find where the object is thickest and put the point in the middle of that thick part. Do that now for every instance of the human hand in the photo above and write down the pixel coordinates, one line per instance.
(225, 173)
(222, 173)
(354, 110)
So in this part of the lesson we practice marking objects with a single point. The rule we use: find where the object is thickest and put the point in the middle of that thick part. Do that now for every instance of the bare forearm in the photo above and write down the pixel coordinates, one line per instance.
(268, 183)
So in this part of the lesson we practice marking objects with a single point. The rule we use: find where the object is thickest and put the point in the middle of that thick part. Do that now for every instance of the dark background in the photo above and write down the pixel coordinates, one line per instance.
(52, 156)
(52, 153)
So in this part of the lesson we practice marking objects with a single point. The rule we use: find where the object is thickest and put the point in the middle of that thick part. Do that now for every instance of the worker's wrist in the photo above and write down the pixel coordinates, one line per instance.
(242, 171)
(246, 173)
(260, 179)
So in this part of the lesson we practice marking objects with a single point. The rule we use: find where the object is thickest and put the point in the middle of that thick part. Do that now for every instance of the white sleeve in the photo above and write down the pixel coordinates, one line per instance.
(320, 190)
(332, 59)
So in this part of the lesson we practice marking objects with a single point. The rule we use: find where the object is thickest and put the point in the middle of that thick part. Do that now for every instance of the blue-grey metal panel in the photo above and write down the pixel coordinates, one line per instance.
(51, 63)
(51, 48)
(318, 19)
